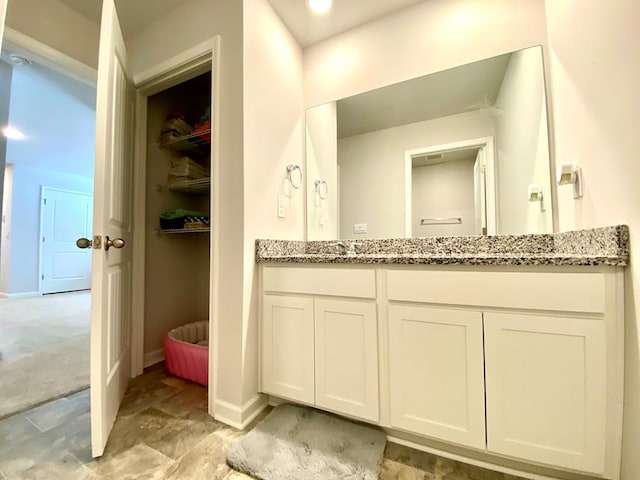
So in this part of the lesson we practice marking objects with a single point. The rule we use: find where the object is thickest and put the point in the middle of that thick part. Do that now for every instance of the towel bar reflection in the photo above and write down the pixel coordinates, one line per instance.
(441, 221)
(322, 189)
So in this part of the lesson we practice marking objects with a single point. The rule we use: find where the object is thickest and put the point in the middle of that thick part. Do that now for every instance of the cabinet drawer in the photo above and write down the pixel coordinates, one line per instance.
(341, 282)
(573, 292)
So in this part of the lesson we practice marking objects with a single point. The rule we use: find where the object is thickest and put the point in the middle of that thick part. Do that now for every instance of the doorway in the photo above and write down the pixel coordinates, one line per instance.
(47, 199)
(450, 189)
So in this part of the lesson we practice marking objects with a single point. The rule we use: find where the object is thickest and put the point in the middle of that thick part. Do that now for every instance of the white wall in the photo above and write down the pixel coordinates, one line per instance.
(372, 170)
(57, 115)
(442, 191)
(595, 71)
(427, 38)
(321, 147)
(522, 146)
(53, 23)
(23, 237)
(181, 29)
(273, 138)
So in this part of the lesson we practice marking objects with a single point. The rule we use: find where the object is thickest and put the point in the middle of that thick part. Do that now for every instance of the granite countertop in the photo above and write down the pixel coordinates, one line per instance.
(597, 246)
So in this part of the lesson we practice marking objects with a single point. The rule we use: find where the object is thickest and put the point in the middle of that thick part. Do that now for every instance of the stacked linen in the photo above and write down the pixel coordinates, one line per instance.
(174, 127)
(183, 219)
(185, 168)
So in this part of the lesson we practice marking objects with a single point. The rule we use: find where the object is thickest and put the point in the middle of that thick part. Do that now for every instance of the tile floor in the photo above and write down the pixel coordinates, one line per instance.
(162, 431)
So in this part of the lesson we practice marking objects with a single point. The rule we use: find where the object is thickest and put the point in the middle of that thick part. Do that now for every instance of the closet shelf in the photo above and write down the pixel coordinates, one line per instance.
(201, 186)
(160, 231)
(193, 144)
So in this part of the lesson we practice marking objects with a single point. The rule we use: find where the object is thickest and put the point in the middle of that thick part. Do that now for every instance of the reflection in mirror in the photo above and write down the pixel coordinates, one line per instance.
(451, 153)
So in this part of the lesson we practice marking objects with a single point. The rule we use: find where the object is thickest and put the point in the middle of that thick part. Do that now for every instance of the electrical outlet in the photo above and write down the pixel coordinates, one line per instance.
(282, 208)
(359, 228)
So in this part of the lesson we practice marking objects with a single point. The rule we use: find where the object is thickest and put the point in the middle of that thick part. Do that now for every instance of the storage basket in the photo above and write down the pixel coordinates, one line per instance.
(186, 352)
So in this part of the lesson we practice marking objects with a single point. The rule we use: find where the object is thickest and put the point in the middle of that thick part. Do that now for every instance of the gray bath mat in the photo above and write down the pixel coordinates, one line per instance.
(298, 443)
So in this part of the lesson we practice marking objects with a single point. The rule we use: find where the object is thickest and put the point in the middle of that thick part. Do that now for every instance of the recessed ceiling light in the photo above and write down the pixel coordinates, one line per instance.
(319, 6)
(13, 133)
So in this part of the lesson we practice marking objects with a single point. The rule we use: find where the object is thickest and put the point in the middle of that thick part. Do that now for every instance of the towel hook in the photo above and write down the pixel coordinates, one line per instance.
(292, 176)
(323, 193)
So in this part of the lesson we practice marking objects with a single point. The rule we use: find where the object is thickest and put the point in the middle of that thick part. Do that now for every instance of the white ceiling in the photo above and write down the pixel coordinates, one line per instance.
(306, 27)
(458, 90)
(57, 116)
(309, 28)
(134, 15)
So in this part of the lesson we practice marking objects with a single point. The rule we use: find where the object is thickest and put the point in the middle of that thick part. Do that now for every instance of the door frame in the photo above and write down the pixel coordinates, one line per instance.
(49, 57)
(43, 195)
(199, 59)
(486, 144)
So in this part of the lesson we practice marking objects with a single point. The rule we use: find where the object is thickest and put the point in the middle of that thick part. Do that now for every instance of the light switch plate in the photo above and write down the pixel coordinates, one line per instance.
(359, 228)
(282, 209)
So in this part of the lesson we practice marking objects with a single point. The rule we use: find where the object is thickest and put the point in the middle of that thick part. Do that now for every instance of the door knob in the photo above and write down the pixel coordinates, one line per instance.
(84, 243)
(115, 243)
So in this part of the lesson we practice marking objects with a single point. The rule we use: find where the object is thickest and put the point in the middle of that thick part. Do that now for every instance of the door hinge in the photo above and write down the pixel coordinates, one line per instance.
(483, 168)
(42, 239)
(44, 200)
(43, 276)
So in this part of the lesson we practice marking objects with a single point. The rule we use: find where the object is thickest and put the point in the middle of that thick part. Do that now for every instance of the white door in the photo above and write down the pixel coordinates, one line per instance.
(546, 389)
(3, 12)
(66, 216)
(437, 374)
(111, 276)
(479, 194)
(346, 352)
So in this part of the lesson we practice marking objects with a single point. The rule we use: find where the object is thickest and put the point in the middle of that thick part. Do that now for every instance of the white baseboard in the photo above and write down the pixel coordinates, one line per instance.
(239, 417)
(19, 295)
(153, 357)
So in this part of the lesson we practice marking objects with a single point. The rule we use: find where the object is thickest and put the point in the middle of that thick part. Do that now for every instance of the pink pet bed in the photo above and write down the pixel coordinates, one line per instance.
(186, 352)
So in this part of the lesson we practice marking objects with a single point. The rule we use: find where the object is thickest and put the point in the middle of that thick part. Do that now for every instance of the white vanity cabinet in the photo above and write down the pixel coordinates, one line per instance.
(546, 387)
(320, 338)
(287, 347)
(548, 342)
(437, 373)
(519, 363)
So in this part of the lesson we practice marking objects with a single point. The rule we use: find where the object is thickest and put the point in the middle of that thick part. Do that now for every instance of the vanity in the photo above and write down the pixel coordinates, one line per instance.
(505, 351)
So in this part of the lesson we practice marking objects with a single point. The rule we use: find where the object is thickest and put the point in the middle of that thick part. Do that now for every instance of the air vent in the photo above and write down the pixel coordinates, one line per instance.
(19, 61)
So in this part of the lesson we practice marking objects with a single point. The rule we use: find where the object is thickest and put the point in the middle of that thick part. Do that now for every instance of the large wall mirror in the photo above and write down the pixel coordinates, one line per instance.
(464, 151)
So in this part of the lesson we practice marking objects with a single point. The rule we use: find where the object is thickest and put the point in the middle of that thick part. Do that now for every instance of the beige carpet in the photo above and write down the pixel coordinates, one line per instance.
(44, 343)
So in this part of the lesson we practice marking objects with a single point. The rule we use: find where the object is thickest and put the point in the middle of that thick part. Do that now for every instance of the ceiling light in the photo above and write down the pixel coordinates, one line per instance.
(13, 133)
(319, 6)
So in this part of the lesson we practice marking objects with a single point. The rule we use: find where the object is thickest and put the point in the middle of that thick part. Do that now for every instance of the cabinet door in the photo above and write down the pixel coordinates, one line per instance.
(347, 357)
(287, 347)
(546, 389)
(437, 374)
